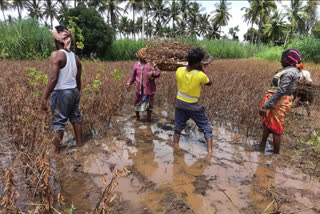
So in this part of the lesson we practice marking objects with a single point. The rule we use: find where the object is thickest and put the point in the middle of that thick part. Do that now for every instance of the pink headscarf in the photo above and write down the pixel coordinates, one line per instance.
(63, 37)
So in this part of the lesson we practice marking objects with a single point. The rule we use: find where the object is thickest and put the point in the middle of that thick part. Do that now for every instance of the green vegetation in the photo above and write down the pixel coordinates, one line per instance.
(270, 53)
(97, 34)
(25, 39)
(124, 49)
(309, 48)
(223, 49)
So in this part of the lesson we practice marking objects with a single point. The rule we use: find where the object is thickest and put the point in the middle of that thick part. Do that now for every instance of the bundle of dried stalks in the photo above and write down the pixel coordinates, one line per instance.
(168, 55)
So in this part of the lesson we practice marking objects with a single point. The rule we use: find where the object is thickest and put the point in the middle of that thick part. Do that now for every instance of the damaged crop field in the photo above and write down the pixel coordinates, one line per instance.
(129, 166)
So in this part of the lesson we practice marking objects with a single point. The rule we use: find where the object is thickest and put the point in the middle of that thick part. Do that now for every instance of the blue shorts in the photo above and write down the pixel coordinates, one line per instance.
(200, 117)
(64, 105)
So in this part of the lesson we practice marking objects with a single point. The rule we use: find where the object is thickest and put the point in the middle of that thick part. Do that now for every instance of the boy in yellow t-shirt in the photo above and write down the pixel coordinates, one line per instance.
(189, 81)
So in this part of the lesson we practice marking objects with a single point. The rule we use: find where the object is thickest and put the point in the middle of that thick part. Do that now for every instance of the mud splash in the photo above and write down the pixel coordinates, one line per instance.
(184, 178)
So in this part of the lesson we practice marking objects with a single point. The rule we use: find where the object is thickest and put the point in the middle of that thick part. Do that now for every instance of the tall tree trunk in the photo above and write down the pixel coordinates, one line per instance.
(4, 17)
(19, 12)
(51, 21)
(173, 18)
(108, 19)
(259, 32)
(134, 23)
(143, 14)
(288, 37)
(252, 34)
(75, 3)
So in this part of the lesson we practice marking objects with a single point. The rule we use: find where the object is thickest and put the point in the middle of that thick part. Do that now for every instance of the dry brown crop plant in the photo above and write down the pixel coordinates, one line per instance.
(238, 88)
(21, 86)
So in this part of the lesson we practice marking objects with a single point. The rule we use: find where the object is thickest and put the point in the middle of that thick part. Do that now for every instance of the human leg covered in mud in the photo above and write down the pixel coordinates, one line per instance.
(200, 118)
(77, 128)
(276, 141)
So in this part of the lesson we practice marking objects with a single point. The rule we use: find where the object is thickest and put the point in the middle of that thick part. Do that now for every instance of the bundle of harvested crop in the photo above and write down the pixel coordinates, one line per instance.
(168, 55)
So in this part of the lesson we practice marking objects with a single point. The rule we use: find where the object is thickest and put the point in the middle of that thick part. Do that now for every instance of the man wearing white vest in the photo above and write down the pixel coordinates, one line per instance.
(64, 82)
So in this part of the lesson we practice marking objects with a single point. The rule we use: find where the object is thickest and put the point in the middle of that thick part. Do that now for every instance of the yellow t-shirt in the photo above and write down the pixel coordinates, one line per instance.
(189, 84)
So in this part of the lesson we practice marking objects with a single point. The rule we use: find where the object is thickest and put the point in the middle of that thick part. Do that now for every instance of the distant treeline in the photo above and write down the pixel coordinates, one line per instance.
(26, 39)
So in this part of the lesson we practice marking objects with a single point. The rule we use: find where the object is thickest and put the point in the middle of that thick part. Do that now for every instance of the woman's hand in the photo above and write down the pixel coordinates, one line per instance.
(262, 112)
(150, 74)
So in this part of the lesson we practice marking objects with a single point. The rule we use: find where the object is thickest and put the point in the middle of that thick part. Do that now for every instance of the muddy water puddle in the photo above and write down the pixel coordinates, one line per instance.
(184, 178)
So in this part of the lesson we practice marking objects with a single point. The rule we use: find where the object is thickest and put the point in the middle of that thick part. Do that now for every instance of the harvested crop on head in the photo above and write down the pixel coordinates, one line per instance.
(168, 55)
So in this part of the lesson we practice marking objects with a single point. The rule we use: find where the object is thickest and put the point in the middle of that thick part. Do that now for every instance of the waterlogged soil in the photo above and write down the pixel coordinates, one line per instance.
(165, 178)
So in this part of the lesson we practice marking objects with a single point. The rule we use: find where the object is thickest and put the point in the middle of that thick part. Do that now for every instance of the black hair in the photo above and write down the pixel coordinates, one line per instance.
(60, 28)
(195, 56)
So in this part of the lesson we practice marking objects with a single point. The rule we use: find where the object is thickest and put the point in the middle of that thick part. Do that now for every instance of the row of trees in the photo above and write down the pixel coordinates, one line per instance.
(272, 26)
(182, 17)
(160, 17)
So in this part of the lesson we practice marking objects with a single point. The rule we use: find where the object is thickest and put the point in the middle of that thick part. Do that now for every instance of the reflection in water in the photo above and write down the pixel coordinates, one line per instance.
(73, 187)
(184, 177)
(168, 177)
(261, 181)
(143, 158)
(175, 170)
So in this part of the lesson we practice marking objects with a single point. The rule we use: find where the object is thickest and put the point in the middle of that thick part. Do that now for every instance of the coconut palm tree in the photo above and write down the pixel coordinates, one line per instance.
(4, 5)
(204, 24)
(50, 11)
(296, 16)
(131, 28)
(158, 29)
(99, 5)
(160, 12)
(19, 5)
(138, 26)
(222, 14)
(311, 9)
(250, 16)
(213, 31)
(264, 9)
(123, 26)
(193, 19)
(147, 7)
(184, 7)
(275, 28)
(135, 6)
(174, 15)
(35, 9)
(110, 7)
(64, 4)
(149, 29)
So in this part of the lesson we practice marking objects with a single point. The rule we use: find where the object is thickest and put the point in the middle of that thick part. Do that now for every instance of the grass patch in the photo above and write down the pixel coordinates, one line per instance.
(270, 53)
(124, 49)
(25, 39)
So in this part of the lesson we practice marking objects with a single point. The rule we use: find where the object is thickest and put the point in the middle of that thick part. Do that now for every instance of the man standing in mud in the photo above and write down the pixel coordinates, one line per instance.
(189, 81)
(64, 82)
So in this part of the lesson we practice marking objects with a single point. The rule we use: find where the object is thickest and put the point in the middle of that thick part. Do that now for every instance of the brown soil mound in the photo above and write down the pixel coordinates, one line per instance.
(168, 55)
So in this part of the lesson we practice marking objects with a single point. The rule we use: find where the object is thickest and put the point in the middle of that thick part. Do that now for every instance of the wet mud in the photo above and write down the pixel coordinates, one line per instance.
(166, 178)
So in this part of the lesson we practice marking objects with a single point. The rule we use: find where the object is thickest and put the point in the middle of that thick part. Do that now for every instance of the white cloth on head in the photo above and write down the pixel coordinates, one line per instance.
(305, 77)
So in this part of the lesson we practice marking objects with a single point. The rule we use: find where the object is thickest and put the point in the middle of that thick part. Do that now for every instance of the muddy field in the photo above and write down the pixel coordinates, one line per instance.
(166, 178)
(183, 179)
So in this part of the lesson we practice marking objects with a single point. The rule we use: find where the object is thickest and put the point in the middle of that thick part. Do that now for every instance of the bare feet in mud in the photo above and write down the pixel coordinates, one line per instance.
(57, 150)
(79, 144)
(258, 147)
